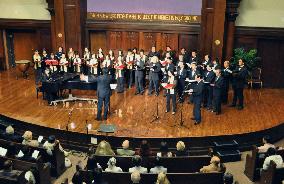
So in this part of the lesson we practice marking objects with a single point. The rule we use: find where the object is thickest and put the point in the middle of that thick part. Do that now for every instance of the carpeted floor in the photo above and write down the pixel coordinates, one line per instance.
(235, 168)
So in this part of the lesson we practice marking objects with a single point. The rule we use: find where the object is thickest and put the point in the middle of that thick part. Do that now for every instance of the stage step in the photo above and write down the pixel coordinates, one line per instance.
(228, 151)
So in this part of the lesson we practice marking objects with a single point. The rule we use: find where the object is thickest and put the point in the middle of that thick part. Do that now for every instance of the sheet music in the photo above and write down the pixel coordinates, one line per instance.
(94, 140)
(35, 154)
(40, 138)
(3, 152)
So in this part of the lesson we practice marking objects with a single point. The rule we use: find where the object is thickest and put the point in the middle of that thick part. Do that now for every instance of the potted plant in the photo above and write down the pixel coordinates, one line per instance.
(250, 57)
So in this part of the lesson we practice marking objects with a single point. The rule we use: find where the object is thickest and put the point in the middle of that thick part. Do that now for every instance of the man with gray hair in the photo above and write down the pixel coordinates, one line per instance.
(125, 151)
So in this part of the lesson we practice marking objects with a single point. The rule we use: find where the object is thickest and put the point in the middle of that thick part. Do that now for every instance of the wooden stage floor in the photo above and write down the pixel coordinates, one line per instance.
(133, 114)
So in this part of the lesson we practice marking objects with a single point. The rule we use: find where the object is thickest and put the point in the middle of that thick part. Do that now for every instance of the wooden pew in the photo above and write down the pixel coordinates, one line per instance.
(254, 163)
(13, 180)
(175, 178)
(173, 164)
(57, 159)
(272, 175)
(43, 169)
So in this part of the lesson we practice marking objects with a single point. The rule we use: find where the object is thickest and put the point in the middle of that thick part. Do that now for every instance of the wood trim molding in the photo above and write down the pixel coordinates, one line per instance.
(23, 23)
(267, 32)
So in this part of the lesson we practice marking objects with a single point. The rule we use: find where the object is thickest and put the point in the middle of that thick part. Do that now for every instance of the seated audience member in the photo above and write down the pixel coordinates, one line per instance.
(30, 176)
(25, 154)
(104, 148)
(266, 145)
(162, 179)
(228, 178)
(8, 170)
(158, 167)
(164, 150)
(144, 150)
(137, 160)
(111, 166)
(98, 177)
(77, 178)
(28, 139)
(125, 151)
(213, 167)
(10, 135)
(11, 151)
(92, 163)
(277, 159)
(49, 146)
(135, 177)
(181, 149)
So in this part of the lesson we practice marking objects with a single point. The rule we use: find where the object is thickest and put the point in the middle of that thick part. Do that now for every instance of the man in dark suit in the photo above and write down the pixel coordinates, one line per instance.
(194, 58)
(239, 81)
(155, 69)
(186, 57)
(209, 77)
(192, 72)
(197, 94)
(103, 91)
(217, 91)
(181, 76)
(227, 75)
(139, 66)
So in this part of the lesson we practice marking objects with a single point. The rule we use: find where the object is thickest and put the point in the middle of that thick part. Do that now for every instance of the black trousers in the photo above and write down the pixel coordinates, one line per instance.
(174, 103)
(238, 96)
(103, 101)
(217, 101)
(225, 92)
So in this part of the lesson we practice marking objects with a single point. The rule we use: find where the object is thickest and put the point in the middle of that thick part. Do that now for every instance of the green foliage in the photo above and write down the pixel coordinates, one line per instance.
(250, 58)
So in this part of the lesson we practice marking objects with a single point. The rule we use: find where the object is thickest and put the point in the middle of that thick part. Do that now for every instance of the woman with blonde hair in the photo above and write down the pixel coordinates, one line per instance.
(162, 178)
(181, 151)
(104, 148)
(28, 139)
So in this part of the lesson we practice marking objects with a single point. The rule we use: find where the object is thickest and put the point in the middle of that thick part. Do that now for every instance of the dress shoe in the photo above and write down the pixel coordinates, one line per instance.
(240, 107)
(136, 93)
(98, 119)
(209, 109)
(218, 113)
(173, 113)
(196, 122)
(232, 105)
(157, 94)
(166, 111)
(193, 118)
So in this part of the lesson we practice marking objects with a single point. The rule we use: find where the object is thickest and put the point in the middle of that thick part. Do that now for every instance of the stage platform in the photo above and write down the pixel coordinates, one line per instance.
(133, 114)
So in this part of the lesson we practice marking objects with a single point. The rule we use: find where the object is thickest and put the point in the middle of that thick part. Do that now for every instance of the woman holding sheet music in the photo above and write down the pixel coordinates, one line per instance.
(170, 91)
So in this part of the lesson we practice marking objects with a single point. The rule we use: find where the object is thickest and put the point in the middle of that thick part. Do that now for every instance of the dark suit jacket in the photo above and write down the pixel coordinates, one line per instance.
(209, 76)
(190, 76)
(218, 85)
(155, 74)
(197, 92)
(103, 85)
(183, 74)
(170, 67)
(239, 77)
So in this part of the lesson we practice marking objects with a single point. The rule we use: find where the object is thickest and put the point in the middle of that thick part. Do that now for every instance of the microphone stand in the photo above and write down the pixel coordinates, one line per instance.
(156, 117)
(86, 125)
(67, 126)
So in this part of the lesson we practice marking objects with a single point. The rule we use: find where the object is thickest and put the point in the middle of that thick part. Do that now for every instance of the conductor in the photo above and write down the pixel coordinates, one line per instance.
(103, 91)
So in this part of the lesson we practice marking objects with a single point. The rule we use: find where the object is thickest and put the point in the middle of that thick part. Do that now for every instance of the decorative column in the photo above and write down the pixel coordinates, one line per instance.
(231, 16)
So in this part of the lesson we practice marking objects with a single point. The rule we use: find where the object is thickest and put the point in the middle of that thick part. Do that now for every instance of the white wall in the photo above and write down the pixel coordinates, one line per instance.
(24, 9)
(261, 13)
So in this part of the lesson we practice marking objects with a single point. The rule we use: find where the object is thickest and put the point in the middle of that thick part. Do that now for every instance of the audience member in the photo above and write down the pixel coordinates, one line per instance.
(125, 151)
(181, 151)
(213, 167)
(144, 150)
(77, 178)
(266, 145)
(92, 163)
(50, 143)
(272, 156)
(11, 136)
(25, 154)
(28, 139)
(158, 167)
(104, 148)
(8, 170)
(135, 177)
(137, 160)
(112, 166)
(30, 176)
(11, 151)
(228, 178)
(162, 179)
(164, 150)
(98, 177)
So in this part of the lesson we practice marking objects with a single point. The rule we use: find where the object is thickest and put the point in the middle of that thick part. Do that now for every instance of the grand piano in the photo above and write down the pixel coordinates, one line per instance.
(61, 81)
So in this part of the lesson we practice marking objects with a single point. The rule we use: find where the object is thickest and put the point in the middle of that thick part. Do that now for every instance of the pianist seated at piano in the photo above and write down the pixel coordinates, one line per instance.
(49, 94)
(103, 91)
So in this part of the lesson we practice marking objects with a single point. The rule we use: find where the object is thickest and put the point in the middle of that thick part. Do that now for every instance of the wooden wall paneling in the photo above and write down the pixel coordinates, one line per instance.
(158, 41)
(24, 44)
(58, 25)
(98, 40)
(2, 51)
(114, 40)
(246, 42)
(149, 40)
(189, 42)
(170, 39)
(44, 39)
(71, 33)
(131, 40)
